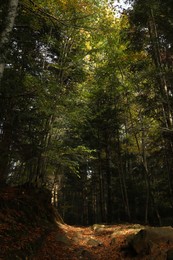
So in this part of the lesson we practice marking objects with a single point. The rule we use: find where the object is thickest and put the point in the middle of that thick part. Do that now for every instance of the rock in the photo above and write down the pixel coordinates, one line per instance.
(117, 233)
(128, 232)
(99, 230)
(118, 228)
(136, 226)
(139, 243)
(79, 234)
(96, 227)
(94, 242)
(129, 238)
(144, 241)
(76, 240)
(77, 237)
(62, 238)
(131, 230)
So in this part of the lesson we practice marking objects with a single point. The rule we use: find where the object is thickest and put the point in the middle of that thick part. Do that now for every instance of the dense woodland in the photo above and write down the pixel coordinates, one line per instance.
(86, 106)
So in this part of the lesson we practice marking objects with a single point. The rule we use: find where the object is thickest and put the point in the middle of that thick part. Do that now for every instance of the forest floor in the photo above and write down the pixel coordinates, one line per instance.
(30, 229)
(71, 242)
(104, 243)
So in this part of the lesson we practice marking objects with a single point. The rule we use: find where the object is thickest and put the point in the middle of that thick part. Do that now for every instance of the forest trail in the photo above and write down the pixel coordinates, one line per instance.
(104, 242)
(95, 242)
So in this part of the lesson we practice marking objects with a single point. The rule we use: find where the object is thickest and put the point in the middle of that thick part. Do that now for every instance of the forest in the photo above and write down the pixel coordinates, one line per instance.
(86, 106)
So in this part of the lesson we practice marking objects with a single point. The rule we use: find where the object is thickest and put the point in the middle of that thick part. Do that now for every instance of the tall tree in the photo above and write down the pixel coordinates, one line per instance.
(43, 60)
(8, 19)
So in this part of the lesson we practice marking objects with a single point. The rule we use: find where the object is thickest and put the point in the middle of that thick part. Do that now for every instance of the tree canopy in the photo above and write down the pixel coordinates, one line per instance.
(86, 106)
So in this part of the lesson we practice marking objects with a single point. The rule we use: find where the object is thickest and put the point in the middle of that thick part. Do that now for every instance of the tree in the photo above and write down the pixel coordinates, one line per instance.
(43, 60)
(6, 29)
(147, 21)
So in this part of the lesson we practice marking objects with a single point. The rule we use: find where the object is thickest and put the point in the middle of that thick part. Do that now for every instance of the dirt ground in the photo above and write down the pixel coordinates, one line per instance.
(103, 242)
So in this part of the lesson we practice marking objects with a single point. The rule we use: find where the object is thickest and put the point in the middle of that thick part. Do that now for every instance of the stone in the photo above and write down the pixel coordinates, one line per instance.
(144, 241)
(96, 227)
(94, 242)
(100, 230)
(76, 240)
(62, 238)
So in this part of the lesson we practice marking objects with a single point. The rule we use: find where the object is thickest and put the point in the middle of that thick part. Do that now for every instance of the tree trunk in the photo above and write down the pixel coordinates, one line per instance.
(5, 143)
(109, 184)
(101, 191)
(4, 37)
(123, 182)
(161, 78)
(4, 156)
(149, 193)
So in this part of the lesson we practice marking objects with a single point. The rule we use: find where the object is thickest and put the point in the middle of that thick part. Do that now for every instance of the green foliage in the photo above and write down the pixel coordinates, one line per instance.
(87, 96)
(68, 159)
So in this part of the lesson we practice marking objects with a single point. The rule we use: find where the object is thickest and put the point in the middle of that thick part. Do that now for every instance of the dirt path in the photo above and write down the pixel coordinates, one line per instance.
(96, 242)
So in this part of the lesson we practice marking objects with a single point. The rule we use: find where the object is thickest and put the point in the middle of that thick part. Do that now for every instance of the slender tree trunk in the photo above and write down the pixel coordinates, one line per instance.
(123, 183)
(4, 37)
(4, 156)
(142, 152)
(161, 78)
(149, 193)
(164, 90)
(101, 192)
(168, 163)
(109, 185)
(5, 143)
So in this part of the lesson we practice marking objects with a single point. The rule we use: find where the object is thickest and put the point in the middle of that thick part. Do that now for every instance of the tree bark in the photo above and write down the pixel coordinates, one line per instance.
(4, 37)
(123, 183)
(161, 78)
(109, 184)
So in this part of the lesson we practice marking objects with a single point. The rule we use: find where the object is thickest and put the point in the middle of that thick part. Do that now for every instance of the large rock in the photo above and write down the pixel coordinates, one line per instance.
(146, 240)
(62, 238)
(94, 243)
(98, 227)
(131, 230)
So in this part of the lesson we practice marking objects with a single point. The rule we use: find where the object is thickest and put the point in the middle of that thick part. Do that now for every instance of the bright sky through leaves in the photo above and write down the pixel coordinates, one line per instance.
(120, 5)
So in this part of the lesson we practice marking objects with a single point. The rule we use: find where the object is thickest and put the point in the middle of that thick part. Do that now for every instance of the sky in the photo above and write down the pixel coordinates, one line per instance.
(121, 4)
